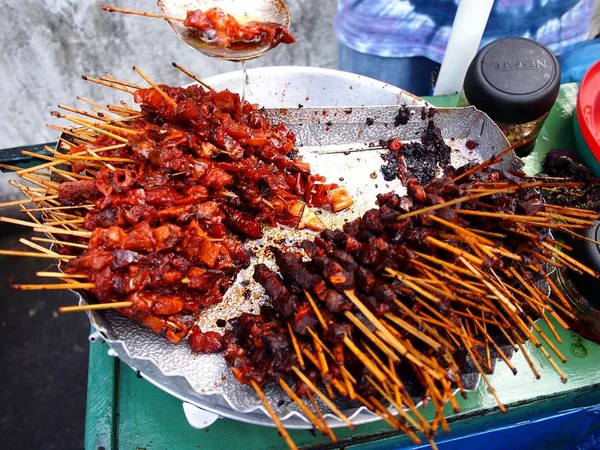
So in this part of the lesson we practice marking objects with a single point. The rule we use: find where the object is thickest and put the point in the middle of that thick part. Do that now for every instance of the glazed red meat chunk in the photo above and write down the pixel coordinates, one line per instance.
(140, 239)
(72, 193)
(205, 342)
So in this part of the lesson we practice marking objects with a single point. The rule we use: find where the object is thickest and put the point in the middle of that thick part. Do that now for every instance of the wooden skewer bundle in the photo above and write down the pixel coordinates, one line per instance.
(487, 309)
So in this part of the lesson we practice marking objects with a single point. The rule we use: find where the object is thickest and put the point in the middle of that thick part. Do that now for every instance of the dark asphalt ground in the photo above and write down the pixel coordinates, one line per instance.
(43, 356)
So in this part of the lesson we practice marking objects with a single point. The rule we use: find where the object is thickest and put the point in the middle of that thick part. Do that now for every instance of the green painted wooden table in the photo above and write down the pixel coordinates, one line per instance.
(126, 412)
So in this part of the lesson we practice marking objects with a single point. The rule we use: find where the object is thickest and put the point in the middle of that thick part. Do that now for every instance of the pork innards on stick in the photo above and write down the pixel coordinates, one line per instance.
(199, 173)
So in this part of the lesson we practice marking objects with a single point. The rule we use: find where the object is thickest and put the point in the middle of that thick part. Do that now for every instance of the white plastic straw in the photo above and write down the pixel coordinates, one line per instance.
(465, 37)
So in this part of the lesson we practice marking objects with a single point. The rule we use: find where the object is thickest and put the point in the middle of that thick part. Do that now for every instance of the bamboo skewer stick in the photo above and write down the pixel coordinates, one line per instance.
(560, 320)
(488, 162)
(38, 247)
(416, 288)
(567, 218)
(419, 320)
(460, 229)
(484, 376)
(558, 293)
(577, 212)
(108, 77)
(311, 358)
(25, 223)
(290, 392)
(65, 222)
(496, 347)
(273, 415)
(60, 275)
(70, 132)
(368, 333)
(579, 236)
(155, 86)
(95, 125)
(574, 262)
(9, 167)
(322, 419)
(43, 229)
(415, 357)
(381, 365)
(514, 217)
(535, 237)
(562, 375)
(94, 307)
(540, 308)
(323, 397)
(192, 76)
(545, 259)
(449, 266)
(295, 345)
(412, 330)
(384, 413)
(364, 359)
(316, 310)
(527, 357)
(457, 251)
(27, 200)
(389, 338)
(398, 407)
(487, 344)
(316, 338)
(96, 107)
(37, 168)
(43, 287)
(54, 241)
(139, 13)
(324, 367)
(55, 208)
(546, 339)
(81, 112)
(107, 84)
(452, 202)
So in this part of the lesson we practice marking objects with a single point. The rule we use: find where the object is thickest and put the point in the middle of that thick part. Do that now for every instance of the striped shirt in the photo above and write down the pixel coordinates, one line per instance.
(402, 28)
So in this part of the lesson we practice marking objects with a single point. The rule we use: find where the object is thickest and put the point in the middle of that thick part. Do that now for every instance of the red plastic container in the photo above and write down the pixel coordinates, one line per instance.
(587, 119)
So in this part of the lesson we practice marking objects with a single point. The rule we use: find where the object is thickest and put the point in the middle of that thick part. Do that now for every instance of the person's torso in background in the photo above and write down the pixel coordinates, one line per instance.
(401, 28)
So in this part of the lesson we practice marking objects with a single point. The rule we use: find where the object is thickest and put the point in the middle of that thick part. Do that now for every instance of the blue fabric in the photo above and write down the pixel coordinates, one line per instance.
(411, 74)
(577, 59)
(403, 28)
(577, 429)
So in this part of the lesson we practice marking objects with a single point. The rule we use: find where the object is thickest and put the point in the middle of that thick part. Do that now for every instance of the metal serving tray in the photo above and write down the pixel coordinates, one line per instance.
(330, 120)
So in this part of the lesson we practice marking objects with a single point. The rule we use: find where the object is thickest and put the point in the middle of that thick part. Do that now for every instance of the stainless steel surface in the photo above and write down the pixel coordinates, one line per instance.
(204, 380)
(274, 11)
(290, 86)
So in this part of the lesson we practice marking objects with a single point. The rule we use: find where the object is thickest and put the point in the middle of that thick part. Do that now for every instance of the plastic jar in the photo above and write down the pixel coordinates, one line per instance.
(583, 290)
(515, 81)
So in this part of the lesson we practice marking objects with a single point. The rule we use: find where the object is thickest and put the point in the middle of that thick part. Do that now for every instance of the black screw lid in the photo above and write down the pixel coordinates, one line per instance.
(513, 80)
(588, 253)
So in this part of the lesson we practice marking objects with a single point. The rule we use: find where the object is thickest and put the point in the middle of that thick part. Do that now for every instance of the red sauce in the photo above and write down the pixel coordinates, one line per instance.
(220, 28)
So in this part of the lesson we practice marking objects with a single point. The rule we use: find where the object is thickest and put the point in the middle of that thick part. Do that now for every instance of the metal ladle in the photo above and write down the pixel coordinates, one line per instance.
(244, 11)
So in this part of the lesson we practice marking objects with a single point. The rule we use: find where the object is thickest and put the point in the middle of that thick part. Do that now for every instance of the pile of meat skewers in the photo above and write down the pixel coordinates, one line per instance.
(394, 305)
(165, 200)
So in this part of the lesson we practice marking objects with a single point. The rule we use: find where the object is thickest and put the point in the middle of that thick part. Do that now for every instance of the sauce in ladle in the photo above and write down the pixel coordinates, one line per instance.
(217, 28)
